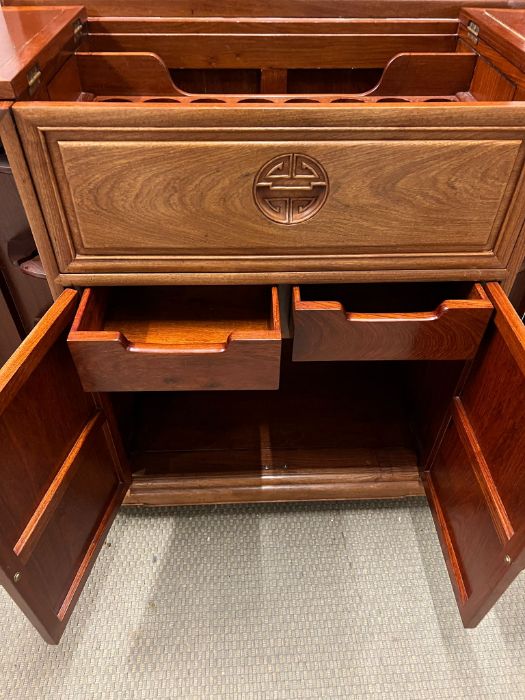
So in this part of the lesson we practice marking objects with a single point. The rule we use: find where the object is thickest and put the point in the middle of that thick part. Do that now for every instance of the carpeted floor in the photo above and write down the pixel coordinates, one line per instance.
(281, 601)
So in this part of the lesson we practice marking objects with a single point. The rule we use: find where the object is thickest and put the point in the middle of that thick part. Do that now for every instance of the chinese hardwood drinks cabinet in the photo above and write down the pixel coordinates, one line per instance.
(280, 239)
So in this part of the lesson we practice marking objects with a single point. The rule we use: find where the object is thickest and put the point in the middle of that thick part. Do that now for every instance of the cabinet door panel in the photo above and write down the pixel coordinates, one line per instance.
(476, 482)
(62, 472)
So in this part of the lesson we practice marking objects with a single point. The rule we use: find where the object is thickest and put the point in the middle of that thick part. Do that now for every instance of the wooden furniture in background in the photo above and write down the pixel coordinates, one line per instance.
(25, 296)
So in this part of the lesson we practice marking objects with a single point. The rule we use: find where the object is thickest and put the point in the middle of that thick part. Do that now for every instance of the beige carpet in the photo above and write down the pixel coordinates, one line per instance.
(281, 601)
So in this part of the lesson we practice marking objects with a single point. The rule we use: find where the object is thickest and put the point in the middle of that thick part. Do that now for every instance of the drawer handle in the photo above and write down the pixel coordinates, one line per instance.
(189, 349)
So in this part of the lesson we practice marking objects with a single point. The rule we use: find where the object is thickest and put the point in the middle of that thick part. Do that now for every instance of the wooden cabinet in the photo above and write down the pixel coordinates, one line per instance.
(291, 253)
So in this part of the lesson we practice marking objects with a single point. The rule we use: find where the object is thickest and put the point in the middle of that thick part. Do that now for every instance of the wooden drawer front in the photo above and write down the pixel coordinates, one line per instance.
(187, 338)
(439, 321)
(142, 189)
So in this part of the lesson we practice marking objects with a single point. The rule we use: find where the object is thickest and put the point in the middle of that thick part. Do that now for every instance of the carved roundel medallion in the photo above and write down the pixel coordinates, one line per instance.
(291, 188)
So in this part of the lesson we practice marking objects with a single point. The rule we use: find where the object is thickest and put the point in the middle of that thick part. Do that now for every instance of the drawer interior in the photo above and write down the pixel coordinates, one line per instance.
(179, 316)
(177, 339)
(262, 61)
(402, 298)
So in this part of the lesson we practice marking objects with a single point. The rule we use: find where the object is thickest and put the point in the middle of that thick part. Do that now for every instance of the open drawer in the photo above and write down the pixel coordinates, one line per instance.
(182, 149)
(169, 338)
(389, 322)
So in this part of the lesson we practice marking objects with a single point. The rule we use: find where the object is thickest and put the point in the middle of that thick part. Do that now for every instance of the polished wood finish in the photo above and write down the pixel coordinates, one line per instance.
(62, 484)
(144, 75)
(275, 50)
(500, 62)
(343, 324)
(476, 483)
(221, 145)
(426, 74)
(98, 153)
(122, 74)
(489, 84)
(308, 484)
(167, 339)
(34, 37)
(201, 25)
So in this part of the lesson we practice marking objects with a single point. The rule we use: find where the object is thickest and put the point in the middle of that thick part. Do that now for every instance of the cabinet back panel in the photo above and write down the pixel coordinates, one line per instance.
(324, 415)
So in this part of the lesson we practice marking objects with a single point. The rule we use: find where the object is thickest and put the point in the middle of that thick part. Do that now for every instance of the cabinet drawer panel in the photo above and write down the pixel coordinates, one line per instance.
(177, 338)
(378, 322)
(203, 189)
(179, 198)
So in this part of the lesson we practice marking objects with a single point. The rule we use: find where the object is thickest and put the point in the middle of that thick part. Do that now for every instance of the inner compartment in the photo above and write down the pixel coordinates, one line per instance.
(331, 430)
(186, 61)
(404, 297)
(324, 415)
(179, 315)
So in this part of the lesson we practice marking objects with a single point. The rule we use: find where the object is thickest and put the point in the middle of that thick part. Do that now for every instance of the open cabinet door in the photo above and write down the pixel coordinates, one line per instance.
(476, 482)
(62, 474)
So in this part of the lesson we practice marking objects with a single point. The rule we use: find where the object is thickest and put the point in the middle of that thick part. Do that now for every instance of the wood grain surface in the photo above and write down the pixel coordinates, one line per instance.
(502, 28)
(274, 50)
(133, 73)
(34, 36)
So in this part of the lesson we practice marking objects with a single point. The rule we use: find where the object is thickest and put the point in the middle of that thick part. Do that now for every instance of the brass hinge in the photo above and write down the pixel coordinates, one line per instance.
(33, 78)
(473, 30)
(78, 30)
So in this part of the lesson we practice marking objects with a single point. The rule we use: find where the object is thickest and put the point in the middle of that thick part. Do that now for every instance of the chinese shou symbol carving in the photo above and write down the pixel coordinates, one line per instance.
(290, 188)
